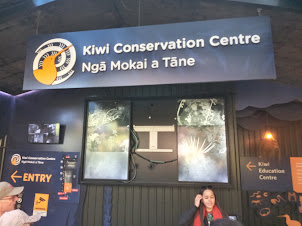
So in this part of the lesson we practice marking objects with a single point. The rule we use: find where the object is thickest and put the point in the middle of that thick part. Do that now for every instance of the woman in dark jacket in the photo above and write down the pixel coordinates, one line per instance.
(205, 210)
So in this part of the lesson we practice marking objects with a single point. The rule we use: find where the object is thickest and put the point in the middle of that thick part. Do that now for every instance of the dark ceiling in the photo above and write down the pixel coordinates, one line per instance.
(21, 19)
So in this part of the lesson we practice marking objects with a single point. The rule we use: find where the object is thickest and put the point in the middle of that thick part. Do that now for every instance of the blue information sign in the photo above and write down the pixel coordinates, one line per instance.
(50, 181)
(259, 175)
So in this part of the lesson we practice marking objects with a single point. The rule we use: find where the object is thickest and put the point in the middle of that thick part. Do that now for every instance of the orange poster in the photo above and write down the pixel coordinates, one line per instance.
(41, 204)
(67, 187)
(296, 168)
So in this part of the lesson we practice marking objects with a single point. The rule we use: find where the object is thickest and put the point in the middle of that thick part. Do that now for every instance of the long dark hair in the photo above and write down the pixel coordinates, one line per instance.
(202, 206)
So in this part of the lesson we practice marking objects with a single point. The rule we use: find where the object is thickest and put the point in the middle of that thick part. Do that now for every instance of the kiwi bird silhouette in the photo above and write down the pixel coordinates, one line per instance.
(290, 222)
(14, 162)
(48, 74)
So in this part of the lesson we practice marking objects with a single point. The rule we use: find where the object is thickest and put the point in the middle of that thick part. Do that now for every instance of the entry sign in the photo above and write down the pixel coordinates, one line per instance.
(50, 181)
(192, 52)
(265, 175)
(54, 173)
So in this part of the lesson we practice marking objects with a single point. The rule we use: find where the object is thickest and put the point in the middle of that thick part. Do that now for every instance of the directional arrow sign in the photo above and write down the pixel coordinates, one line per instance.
(249, 166)
(13, 176)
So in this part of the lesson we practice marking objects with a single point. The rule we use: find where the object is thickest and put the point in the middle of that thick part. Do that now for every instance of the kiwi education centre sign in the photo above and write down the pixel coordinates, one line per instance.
(191, 52)
(271, 175)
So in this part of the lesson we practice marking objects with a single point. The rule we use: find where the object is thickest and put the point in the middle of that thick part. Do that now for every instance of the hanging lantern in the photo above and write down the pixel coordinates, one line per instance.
(269, 147)
(268, 135)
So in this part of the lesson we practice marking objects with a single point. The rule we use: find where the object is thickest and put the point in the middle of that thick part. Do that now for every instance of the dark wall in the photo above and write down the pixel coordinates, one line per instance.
(131, 205)
(6, 112)
(67, 108)
(6, 115)
(64, 107)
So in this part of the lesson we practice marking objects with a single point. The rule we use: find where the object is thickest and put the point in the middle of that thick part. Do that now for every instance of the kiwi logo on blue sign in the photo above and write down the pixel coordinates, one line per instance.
(54, 61)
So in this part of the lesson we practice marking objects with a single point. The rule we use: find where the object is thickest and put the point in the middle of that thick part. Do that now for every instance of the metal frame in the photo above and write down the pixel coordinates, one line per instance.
(176, 183)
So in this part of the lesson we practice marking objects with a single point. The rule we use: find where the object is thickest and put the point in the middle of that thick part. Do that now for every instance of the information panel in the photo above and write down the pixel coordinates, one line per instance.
(296, 167)
(50, 181)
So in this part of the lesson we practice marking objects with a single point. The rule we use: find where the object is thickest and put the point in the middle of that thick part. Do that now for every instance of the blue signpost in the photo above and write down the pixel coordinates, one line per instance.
(50, 181)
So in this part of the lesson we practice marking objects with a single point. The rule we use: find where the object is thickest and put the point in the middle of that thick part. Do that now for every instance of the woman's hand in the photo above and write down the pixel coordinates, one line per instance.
(198, 198)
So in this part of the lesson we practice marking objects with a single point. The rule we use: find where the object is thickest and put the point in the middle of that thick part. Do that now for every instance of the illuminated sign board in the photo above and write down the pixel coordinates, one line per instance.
(192, 52)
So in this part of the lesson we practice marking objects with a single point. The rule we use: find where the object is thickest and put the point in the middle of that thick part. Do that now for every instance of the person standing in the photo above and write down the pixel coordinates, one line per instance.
(8, 197)
(8, 215)
(206, 209)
